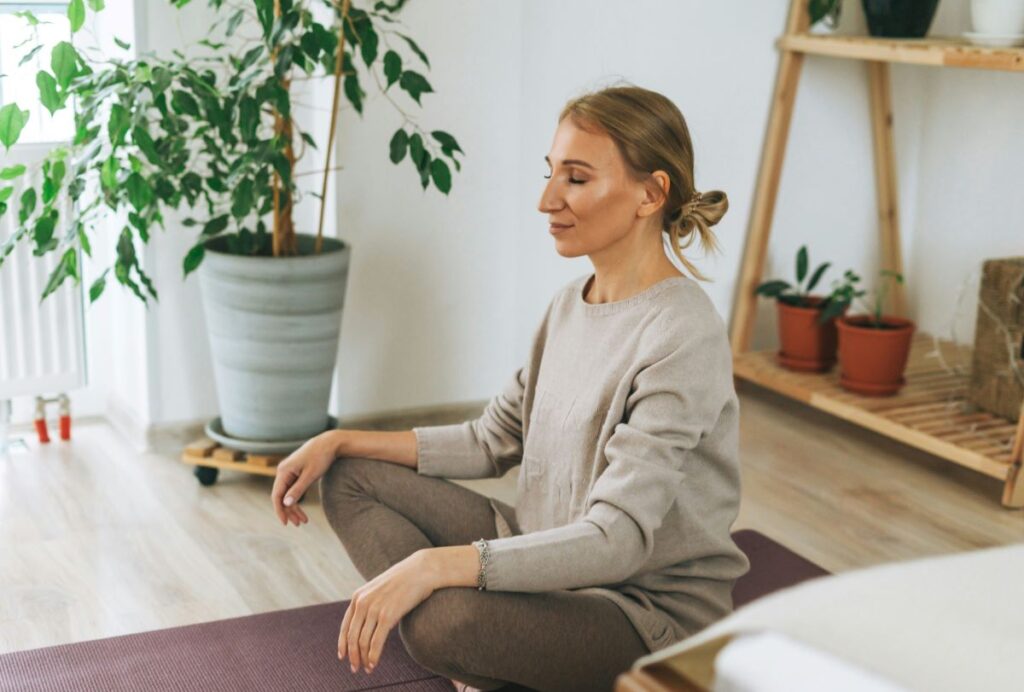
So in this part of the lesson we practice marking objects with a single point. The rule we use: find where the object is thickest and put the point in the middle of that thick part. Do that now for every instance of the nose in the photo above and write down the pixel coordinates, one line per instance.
(550, 199)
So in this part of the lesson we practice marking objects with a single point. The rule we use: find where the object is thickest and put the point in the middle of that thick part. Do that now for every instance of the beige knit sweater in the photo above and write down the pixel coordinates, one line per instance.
(625, 421)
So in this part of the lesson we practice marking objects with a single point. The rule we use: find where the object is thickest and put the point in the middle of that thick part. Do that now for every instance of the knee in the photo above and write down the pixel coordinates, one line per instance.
(346, 478)
(435, 631)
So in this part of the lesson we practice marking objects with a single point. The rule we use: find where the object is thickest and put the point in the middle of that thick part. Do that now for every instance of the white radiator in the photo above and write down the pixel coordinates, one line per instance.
(42, 346)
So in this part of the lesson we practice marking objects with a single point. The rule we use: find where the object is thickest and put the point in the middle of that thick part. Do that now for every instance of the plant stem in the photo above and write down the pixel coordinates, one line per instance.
(334, 121)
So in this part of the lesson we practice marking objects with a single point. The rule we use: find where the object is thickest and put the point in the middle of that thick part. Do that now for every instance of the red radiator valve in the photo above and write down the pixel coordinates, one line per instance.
(64, 411)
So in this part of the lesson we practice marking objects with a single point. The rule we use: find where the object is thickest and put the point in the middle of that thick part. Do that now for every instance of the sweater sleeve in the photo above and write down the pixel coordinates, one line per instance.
(486, 447)
(674, 401)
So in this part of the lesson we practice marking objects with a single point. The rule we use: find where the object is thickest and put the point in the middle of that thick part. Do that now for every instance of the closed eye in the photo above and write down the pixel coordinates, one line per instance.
(571, 180)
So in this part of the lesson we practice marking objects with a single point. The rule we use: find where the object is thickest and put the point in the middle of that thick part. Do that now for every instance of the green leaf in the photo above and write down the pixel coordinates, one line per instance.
(367, 42)
(248, 118)
(29, 55)
(142, 139)
(108, 173)
(96, 290)
(48, 95)
(242, 199)
(399, 145)
(392, 67)
(126, 248)
(354, 92)
(416, 150)
(68, 267)
(801, 263)
(193, 258)
(83, 239)
(816, 276)
(250, 58)
(76, 14)
(415, 84)
(425, 170)
(28, 204)
(233, 23)
(415, 48)
(182, 102)
(772, 289)
(96, 5)
(140, 194)
(28, 17)
(448, 143)
(64, 63)
(42, 233)
(441, 174)
(12, 172)
(122, 44)
(118, 125)
(215, 226)
(57, 172)
(12, 120)
(5, 193)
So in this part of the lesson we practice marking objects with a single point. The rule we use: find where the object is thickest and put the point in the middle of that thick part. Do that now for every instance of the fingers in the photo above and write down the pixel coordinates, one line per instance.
(297, 516)
(354, 630)
(295, 492)
(369, 630)
(380, 635)
(284, 478)
(346, 623)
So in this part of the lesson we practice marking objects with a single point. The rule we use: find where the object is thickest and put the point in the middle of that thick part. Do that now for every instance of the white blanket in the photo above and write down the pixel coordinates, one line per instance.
(952, 622)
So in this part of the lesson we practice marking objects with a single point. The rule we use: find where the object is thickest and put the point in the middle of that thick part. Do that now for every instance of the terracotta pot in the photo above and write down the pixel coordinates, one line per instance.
(871, 359)
(805, 344)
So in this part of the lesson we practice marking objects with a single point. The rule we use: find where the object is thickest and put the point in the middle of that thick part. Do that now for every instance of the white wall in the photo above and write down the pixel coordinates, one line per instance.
(444, 292)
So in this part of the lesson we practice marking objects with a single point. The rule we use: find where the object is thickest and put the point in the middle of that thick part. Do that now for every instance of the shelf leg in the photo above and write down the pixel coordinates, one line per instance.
(880, 90)
(767, 188)
(1013, 491)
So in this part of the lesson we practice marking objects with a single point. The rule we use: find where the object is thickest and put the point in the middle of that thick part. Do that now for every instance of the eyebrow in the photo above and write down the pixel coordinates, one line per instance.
(571, 162)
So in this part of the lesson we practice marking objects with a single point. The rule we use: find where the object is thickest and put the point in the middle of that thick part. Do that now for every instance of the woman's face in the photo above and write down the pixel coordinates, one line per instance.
(590, 193)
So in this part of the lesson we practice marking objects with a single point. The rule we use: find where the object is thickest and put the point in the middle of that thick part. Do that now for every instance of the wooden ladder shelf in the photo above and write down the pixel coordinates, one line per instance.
(931, 412)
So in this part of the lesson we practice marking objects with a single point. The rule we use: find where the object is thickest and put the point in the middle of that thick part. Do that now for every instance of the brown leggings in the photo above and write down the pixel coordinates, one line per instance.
(556, 640)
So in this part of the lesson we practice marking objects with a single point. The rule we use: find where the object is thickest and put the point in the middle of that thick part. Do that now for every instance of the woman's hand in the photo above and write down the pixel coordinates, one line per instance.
(379, 604)
(298, 471)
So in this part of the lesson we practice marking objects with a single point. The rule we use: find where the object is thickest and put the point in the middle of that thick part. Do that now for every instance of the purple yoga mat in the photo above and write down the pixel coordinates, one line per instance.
(294, 649)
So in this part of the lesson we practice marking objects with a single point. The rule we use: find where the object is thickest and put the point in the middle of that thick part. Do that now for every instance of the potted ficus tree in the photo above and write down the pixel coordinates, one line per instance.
(217, 132)
(874, 346)
(806, 321)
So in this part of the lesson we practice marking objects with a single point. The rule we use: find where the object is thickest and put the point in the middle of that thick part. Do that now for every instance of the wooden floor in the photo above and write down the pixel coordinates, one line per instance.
(98, 541)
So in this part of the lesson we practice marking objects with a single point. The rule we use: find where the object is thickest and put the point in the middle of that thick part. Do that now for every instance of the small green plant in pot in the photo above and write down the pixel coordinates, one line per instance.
(807, 332)
(873, 346)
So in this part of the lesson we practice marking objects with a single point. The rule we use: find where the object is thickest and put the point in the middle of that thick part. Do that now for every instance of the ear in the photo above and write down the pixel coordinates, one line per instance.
(656, 189)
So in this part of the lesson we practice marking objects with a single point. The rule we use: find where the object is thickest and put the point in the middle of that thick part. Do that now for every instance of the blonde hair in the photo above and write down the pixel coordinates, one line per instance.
(651, 134)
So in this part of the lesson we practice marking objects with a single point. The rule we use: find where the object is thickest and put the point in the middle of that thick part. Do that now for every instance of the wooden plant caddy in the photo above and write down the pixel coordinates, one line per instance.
(930, 412)
(209, 457)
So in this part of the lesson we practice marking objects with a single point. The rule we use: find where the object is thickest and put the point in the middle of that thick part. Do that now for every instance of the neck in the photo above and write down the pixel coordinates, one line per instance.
(628, 267)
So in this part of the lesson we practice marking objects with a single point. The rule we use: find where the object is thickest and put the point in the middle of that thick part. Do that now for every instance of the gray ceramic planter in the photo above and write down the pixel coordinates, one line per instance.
(274, 324)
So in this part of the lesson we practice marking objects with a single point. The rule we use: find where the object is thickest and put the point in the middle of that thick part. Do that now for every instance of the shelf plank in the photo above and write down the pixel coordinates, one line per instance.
(936, 51)
(933, 415)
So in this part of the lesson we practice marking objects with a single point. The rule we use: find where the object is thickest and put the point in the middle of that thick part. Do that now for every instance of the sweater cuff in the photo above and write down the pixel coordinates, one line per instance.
(540, 560)
(446, 451)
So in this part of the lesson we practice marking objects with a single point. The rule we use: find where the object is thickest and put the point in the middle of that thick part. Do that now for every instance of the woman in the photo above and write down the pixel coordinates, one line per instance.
(624, 419)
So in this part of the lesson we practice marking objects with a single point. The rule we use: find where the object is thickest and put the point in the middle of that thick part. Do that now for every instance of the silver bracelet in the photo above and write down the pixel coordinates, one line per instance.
(485, 557)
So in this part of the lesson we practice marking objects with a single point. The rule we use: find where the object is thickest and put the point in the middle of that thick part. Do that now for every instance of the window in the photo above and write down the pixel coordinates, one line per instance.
(18, 81)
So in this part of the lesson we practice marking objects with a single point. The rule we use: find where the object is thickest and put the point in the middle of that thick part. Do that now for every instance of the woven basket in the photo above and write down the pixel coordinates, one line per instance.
(997, 369)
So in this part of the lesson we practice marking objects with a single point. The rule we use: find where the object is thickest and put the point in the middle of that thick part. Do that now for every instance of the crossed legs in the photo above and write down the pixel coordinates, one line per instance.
(558, 640)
